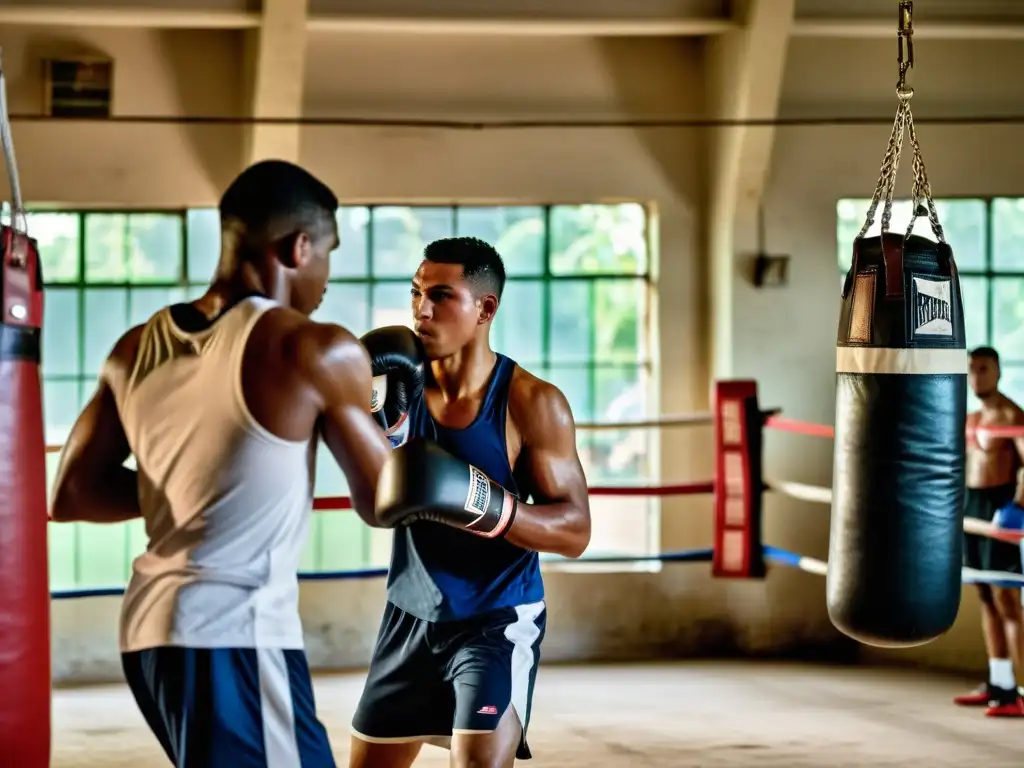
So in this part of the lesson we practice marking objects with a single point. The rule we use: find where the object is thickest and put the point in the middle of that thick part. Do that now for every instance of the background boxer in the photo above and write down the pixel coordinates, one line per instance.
(456, 657)
(993, 489)
(221, 402)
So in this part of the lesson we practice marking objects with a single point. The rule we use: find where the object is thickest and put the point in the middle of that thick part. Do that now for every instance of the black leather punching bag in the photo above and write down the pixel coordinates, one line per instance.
(901, 399)
(24, 582)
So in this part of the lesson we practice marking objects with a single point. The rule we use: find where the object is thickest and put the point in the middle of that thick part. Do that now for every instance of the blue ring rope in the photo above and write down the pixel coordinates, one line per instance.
(772, 554)
(794, 560)
(682, 556)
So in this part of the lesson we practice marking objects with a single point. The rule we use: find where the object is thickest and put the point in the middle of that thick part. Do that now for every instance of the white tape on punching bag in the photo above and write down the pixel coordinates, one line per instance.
(901, 362)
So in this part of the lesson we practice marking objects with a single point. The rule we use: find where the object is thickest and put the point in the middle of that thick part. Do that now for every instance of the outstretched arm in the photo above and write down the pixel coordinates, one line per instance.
(93, 485)
(558, 520)
(339, 370)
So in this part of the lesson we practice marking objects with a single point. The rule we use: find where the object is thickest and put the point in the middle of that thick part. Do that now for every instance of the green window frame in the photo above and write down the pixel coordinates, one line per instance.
(576, 311)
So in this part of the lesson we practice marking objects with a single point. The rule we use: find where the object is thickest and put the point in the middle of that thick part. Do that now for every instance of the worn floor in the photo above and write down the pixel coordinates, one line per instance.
(745, 714)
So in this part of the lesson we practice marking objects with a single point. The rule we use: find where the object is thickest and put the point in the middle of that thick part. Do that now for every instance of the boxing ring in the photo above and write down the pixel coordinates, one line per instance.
(736, 491)
(792, 714)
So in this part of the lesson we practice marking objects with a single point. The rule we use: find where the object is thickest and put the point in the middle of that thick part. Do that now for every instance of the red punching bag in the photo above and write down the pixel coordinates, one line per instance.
(24, 582)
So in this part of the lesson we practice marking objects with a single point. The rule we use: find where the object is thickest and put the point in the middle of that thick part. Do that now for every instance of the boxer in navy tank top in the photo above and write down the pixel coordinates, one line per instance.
(456, 657)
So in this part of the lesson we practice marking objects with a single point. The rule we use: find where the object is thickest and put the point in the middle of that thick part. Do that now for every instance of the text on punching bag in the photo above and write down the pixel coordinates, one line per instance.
(932, 307)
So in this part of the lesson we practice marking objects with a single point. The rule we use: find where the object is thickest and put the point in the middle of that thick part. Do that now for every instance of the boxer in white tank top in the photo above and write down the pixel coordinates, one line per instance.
(222, 402)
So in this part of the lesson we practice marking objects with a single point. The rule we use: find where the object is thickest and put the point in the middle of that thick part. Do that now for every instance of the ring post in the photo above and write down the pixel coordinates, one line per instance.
(738, 485)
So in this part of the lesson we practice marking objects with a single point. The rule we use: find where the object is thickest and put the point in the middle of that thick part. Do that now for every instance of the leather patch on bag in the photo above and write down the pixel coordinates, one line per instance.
(863, 311)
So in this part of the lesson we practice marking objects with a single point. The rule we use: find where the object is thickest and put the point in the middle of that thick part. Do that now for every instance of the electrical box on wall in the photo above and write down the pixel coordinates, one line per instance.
(78, 87)
(770, 271)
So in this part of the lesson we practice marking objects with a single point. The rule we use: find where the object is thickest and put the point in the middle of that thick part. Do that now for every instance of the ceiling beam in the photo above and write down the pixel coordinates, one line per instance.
(427, 24)
(137, 18)
(275, 65)
(523, 27)
(434, 24)
(744, 80)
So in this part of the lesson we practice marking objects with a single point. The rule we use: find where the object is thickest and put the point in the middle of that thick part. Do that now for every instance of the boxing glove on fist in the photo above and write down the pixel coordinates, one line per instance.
(1010, 517)
(397, 362)
(422, 481)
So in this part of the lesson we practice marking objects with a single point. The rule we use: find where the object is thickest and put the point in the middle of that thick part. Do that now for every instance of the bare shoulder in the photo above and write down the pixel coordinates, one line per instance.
(538, 407)
(321, 348)
(126, 347)
(327, 357)
(1012, 413)
(121, 360)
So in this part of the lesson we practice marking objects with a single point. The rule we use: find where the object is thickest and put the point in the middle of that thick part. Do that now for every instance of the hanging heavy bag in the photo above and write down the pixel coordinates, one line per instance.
(894, 571)
(25, 596)
(901, 395)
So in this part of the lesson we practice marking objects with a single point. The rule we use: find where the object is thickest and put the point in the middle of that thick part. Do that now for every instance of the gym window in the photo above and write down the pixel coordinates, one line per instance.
(987, 237)
(575, 311)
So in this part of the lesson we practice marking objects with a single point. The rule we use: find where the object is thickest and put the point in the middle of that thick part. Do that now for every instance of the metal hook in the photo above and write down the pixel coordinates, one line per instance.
(905, 48)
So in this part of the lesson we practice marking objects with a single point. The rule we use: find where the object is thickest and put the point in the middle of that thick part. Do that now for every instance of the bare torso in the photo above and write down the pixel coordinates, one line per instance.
(993, 461)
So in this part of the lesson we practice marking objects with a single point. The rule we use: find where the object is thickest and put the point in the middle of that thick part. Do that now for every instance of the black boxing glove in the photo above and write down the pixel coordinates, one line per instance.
(422, 481)
(397, 362)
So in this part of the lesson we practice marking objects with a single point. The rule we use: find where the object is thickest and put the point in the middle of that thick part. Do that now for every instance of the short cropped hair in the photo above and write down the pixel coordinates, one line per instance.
(481, 264)
(987, 353)
(274, 198)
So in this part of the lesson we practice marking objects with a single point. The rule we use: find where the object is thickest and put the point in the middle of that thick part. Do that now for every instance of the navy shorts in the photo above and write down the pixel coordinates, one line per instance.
(428, 680)
(229, 707)
(982, 553)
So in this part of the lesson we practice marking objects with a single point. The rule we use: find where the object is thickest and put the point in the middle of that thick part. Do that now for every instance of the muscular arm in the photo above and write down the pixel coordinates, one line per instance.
(339, 370)
(93, 485)
(559, 519)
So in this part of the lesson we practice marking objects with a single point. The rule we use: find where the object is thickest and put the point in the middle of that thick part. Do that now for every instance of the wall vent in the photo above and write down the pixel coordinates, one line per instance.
(78, 87)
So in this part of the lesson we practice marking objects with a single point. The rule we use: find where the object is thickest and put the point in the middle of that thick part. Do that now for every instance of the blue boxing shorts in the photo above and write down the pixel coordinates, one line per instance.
(428, 681)
(982, 553)
(229, 707)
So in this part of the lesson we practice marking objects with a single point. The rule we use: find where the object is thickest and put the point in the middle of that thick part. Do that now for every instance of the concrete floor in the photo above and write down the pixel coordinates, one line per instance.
(741, 714)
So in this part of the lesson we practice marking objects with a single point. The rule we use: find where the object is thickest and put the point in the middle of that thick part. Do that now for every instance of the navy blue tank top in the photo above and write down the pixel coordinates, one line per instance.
(439, 573)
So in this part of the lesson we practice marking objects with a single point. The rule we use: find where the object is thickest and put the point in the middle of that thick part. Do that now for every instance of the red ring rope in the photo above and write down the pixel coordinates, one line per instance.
(823, 430)
(798, 427)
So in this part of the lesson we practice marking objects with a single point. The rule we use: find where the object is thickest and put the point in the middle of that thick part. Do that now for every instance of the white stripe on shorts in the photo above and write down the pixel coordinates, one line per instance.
(906, 362)
(279, 742)
(523, 633)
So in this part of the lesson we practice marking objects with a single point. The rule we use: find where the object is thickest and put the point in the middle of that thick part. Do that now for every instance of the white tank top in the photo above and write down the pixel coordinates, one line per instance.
(226, 503)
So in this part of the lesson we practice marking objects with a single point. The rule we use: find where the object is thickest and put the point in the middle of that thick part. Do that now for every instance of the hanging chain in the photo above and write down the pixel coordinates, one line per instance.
(923, 204)
(18, 221)
(886, 179)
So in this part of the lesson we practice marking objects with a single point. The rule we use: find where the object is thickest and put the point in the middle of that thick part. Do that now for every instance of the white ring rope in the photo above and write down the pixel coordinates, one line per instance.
(672, 420)
(981, 528)
(813, 565)
(801, 491)
(820, 495)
